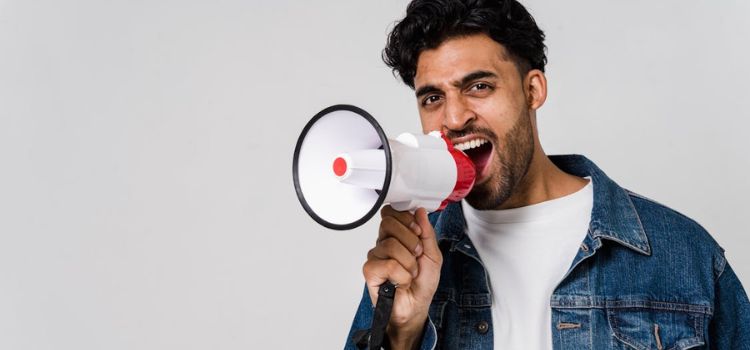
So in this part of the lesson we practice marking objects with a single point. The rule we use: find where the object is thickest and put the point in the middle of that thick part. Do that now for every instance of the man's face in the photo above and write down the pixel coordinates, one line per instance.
(471, 90)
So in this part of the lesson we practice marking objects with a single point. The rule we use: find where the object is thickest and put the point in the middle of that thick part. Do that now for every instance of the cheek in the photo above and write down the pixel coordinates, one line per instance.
(500, 112)
(429, 123)
(498, 119)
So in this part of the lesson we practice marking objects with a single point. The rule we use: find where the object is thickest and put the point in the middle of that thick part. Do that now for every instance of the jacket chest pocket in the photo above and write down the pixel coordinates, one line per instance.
(647, 329)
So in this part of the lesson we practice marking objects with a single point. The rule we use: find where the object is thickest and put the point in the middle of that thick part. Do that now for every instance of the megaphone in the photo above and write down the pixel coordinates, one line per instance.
(345, 169)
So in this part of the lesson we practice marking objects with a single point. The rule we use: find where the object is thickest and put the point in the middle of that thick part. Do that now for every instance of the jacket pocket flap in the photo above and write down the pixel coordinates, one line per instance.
(646, 329)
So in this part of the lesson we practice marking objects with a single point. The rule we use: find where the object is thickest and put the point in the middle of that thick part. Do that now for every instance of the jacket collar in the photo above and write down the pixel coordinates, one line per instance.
(613, 216)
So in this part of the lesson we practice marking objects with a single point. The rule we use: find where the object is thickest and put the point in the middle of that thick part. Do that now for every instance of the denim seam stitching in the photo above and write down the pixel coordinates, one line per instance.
(591, 330)
(627, 304)
(659, 305)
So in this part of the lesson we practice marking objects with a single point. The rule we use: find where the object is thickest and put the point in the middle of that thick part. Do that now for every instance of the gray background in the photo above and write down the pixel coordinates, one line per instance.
(146, 199)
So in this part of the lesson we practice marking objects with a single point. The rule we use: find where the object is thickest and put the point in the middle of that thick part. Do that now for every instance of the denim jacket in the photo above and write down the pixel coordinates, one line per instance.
(645, 277)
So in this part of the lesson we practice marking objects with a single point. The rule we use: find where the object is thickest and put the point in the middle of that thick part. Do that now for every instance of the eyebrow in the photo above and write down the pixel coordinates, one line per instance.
(424, 90)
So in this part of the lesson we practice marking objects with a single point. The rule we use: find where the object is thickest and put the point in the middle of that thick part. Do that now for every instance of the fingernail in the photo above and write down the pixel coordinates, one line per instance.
(415, 227)
(418, 250)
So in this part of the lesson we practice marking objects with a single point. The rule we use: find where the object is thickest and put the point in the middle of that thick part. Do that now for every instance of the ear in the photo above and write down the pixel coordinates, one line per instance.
(535, 86)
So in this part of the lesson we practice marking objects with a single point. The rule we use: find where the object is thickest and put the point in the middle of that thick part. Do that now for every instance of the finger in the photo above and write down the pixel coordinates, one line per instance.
(428, 237)
(378, 271)
(391, 248)
(392, 228)
(404, 217)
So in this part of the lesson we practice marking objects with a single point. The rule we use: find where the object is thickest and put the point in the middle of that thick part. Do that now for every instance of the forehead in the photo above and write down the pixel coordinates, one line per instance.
(458, 56)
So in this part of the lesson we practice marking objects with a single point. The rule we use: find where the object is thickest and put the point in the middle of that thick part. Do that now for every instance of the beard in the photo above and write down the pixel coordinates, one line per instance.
(510, 164)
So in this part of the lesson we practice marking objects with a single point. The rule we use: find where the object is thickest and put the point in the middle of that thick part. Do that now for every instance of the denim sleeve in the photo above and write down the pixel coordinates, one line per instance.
(730, 326)
(363, 319)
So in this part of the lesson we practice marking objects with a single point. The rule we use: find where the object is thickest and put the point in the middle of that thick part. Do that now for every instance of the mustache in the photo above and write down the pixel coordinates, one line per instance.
(487, 133)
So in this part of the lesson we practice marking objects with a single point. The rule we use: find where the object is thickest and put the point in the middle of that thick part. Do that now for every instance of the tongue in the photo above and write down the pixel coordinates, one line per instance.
(479, 156)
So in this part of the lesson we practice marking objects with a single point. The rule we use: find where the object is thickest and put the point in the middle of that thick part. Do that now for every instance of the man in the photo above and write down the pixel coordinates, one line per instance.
(545, 252)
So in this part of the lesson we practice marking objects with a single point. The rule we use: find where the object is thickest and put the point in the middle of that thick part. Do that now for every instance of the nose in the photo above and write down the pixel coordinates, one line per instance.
(458, 115)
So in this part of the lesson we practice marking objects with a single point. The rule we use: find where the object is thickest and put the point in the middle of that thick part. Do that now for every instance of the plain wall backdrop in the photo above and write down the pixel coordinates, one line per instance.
(146, 197)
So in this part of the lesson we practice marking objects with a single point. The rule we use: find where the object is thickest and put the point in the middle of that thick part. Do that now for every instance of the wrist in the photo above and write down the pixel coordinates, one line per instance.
(407, 336)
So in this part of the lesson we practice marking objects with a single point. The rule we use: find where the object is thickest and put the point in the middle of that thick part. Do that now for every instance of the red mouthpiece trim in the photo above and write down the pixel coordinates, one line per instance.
(466, 175)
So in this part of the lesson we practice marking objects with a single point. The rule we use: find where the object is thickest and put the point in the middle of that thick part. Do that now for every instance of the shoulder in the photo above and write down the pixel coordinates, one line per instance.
(662, 222)
(676, 235)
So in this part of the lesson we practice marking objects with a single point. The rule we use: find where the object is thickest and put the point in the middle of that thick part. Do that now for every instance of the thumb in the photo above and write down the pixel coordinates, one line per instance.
(428, 237)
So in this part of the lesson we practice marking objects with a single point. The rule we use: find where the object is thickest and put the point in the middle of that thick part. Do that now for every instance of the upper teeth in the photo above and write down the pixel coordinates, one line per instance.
(470, 144)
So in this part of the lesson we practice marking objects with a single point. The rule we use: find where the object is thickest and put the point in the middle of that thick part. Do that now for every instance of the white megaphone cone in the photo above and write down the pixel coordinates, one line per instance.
(345, 168)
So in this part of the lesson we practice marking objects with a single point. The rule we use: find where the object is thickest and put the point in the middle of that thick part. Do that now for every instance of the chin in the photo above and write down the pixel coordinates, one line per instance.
(490, 194)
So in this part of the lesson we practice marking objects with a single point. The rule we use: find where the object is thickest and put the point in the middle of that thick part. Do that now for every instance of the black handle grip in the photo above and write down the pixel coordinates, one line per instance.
(383, 308)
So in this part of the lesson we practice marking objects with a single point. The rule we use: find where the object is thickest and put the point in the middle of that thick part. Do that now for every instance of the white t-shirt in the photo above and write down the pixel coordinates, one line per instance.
(526, 252)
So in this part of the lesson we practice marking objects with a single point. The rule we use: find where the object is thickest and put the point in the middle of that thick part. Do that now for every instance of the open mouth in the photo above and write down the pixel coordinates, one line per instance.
(479, 151)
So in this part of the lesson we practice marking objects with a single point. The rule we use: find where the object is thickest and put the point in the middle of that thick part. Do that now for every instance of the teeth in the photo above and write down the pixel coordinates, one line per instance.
(470, 144)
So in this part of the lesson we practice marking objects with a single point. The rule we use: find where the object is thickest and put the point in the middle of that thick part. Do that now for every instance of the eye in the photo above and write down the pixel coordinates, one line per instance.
(480, 89)
(430, 100)
(480, 86)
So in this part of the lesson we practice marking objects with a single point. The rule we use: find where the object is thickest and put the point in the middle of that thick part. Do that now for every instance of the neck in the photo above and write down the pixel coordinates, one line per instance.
(543, 181)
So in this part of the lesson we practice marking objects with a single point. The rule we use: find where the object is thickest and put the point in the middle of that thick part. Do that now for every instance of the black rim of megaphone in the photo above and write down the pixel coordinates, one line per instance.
(386, 183)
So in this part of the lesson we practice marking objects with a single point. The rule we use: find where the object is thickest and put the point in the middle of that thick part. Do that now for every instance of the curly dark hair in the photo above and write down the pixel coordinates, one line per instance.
(428, 23)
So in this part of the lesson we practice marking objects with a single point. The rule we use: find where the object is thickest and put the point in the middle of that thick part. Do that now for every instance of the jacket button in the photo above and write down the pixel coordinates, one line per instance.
(483, 327)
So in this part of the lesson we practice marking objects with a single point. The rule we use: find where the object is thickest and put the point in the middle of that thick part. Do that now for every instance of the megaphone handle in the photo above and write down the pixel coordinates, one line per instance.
(382, 315)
